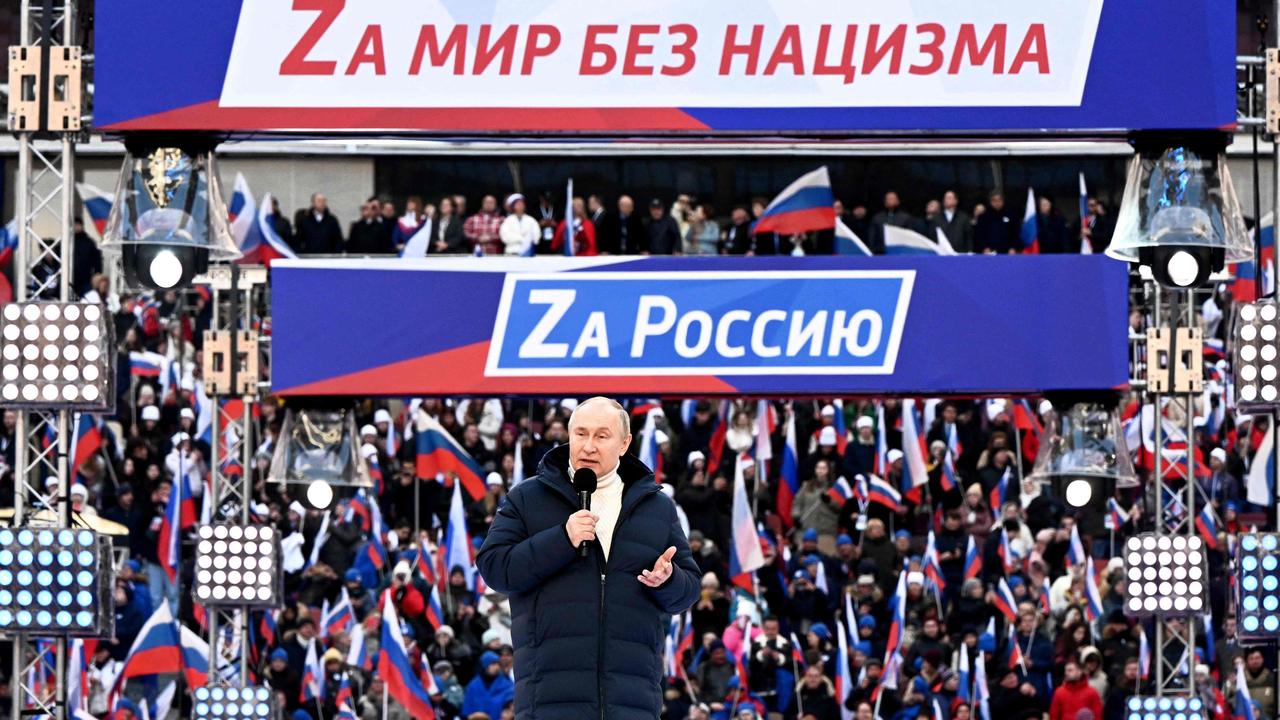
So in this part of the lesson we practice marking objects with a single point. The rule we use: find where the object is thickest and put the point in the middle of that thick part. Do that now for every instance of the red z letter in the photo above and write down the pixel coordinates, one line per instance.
(296, 63)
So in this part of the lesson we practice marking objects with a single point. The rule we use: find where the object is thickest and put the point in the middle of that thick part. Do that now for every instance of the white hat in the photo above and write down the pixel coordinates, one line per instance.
(151, 412)
(915, 577)
(1218, 454)
(828, 411)
(179, 438)
(493, 478)
(79, 489)
(864, 421)
(296, 507)
(894, 455)
(368, 450)
(660, 437)
(746, 461)
(694, 456)
(511, 200)
(994, 408)
(569, 404)
(187, 413)
(1045, 406)
(187, 383)
(402, 568)
(381, 416)
(827, 436)
(368, 430)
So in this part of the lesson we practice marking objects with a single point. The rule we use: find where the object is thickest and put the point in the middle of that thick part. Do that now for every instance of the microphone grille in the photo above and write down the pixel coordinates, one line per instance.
(584, 480)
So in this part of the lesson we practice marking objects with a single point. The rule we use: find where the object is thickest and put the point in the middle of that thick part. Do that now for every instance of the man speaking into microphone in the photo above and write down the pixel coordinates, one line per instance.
(588, 629)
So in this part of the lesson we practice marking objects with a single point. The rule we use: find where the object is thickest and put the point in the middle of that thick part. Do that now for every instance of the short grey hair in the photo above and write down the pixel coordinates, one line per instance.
(624, 419)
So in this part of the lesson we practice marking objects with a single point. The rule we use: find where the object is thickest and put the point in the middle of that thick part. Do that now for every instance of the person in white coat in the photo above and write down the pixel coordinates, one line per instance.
(519, 232)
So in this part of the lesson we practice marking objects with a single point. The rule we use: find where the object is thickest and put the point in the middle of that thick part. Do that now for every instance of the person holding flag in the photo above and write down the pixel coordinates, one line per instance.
(561, 565)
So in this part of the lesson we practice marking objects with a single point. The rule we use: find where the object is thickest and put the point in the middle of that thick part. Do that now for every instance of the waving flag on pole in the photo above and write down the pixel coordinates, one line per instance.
(312, 675)
(766, 423)
(1249, 283)
(804, 205)
(395, 670)
(999, 492)
(358, 653)
(1086, 245)
(962, 674)
(438, 453)
(1207, 527)
(1260, 481)
(1016, 659)
(457, 545)
(1116, 515)
(944, 244)
(842, 433)
(155, 650)
(169, 537)
(243, 212)
(844, 678)
(916, 476)
(1093, 598)
(97, 203)
(570, 226)
(901, 241)
(1029, 233)
(841, 492)
(981, 693)
(848, 242)
(972, 560)
(1243, 701)
(949, 479)
(340, 617)
(882, 445)
(1210, 647)
(195, 658)
(883, 493)
(1075, 550)
(745, 557)
(790, 472)
(897, 614)
(715, 450)
(933, 567)
(1046, 591)
(1004, 601)
(1005, 551)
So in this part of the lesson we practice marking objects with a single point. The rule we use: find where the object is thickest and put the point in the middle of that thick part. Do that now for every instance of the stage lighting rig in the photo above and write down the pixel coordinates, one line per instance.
(1167, 576)
(56, 356)
(1179, 215)
(56, 582)
(238, 566)
(213, 702)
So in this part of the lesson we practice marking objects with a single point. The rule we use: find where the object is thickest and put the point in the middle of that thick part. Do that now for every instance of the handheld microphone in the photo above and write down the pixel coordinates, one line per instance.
(584, 483)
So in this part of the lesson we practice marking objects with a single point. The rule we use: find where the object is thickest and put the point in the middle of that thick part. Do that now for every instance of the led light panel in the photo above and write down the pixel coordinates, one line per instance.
(1257, 367)
(56, 582)
(238, 565)
(1140, 707)
(56, 355)
(232, 703)
(1258, 582)
(1168, 576)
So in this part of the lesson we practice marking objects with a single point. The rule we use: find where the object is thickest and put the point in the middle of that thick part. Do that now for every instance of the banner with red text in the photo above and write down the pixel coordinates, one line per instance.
(464, 66)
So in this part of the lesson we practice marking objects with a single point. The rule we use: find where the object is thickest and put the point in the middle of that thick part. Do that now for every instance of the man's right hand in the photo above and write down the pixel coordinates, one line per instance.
(581, 527)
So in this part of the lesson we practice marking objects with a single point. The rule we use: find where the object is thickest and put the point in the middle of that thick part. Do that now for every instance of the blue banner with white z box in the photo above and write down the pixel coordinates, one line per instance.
(776, 322)
(700, 327)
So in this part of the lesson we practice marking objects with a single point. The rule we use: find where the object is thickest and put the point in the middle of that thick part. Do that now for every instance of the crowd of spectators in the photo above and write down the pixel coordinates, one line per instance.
(830, 562)
(512, 224)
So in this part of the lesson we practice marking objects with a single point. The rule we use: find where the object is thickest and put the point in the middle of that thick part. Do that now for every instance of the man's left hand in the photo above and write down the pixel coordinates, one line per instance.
(661, 569)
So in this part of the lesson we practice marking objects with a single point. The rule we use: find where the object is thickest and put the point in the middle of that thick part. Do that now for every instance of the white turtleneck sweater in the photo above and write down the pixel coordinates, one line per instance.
(606, 502)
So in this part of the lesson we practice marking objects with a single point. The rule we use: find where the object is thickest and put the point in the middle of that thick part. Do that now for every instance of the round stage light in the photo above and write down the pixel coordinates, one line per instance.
(225, 554)
(1172, 573)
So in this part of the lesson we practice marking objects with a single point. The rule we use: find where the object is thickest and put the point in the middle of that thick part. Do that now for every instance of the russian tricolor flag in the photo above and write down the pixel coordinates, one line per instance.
(312, 675)
(169, 541)
(156, 649)
(1116, 515)
(805, 205)
(790, 472)
(1093, 598)
(972, 560)
(97, 203)
(916, 476)
(1029, 233)
(242, 211)
(88, 438)
(261, 243)
(358, 653)
(745, 556)
(999, 492)
(1207, 527)
(435, 614)
(848, 242)
(884, 493)
(395, 670)
(1004, 601)
(840, 492)
(1244, 702)
(962, 674)
(1075, 549)
(340, 617)
(901, 241)
(439, 454)
(195, 658)
(1016, 658)
(1246, 287)
(146, 364)
(932, 566)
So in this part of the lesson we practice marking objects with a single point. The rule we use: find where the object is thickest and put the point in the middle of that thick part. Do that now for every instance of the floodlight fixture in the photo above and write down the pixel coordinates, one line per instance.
(56, 583)
(56, 356)
(1167, 576)
(214, 702)
(238, 565)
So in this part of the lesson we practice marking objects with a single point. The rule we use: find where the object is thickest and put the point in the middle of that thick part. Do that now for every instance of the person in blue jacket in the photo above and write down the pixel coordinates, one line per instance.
(489, 690)
(588, 631)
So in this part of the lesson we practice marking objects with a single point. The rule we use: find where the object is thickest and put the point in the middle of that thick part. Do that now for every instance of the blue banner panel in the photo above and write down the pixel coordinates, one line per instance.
(661, 66)
(971, 325)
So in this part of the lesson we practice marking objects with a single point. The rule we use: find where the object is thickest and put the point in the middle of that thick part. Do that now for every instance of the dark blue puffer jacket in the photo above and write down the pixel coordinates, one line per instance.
(588, 636)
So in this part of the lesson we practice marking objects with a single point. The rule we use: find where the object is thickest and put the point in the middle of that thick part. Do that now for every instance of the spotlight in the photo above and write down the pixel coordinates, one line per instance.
(319, 494)
(1078, 492)
(1082, 457)
(168, 219)
(1167, 576)
(213, 702)
(237, 565)
(1258, 580)
(1255, 356)
(319, 443)
(55, 582)
(1179, 215)
(55, 356)
(1140, 707)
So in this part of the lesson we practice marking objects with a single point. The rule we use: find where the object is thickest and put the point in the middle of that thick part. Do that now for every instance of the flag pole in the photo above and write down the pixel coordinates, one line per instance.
(384, 700)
